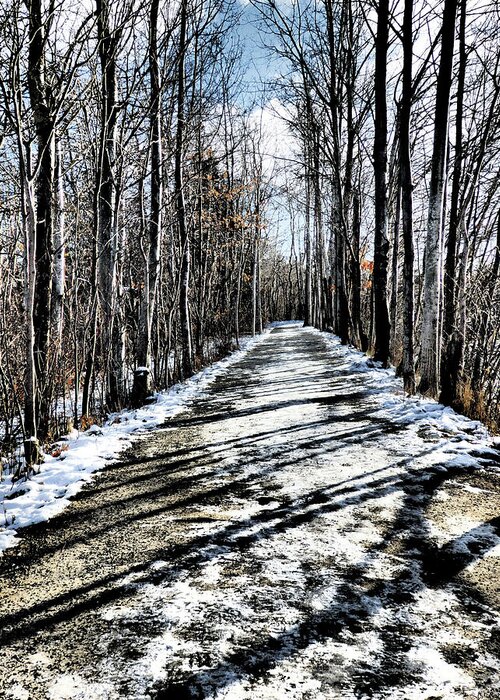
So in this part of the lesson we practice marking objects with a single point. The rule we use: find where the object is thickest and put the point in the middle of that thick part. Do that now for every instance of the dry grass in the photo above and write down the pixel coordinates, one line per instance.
(474, 405)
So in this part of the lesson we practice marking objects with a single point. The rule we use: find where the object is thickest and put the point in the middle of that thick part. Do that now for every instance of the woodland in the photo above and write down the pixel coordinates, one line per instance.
(142, 231)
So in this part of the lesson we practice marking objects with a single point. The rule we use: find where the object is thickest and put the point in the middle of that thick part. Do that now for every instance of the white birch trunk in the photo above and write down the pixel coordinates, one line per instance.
(430, 349)
(59, 269)
(31, 446)
(431, 327)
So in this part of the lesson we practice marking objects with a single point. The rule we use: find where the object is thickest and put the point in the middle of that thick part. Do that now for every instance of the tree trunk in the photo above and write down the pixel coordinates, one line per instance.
(31, 445)
(259, 290)
(41, 98)
(382, 326)
(256, 325)
(356, 275)
(105, 203)
(343, 322)
(241, 272)
(308, 255)
(407, 367)
(449, 383)
(342, 314)
(394, 298)
(318, 228)
(143, 375)
(431, 332)
(59, 271)
(187, 351)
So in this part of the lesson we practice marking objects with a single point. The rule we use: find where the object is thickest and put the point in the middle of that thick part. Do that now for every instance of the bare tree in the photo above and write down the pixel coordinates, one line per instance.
(430, 349)
(142, 376)
(406, 184)
(381, 242)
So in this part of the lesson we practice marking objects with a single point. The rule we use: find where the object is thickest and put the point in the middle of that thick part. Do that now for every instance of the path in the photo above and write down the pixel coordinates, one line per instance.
(277, 540)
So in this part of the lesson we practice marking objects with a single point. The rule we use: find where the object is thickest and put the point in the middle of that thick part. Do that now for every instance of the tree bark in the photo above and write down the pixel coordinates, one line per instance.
(307, 245)
(318, 228)
(143, 375)
(342, 314)
(59, 270)
(356, 274)
(382, 325)
(449, 368)
(41, 99)
(187, 351)
(431, 332)
(31, 443)
(394, 295)
(105, 202)
(405, 176)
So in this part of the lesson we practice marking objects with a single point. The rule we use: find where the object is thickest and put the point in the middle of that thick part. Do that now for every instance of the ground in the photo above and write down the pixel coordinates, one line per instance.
(288, 535)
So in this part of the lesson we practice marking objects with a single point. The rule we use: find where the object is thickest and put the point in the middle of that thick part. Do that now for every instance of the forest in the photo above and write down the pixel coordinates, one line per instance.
(142, 231)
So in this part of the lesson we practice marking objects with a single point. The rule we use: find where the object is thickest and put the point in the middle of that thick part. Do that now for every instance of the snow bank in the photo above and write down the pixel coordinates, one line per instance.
(417, 412)
(76, 459)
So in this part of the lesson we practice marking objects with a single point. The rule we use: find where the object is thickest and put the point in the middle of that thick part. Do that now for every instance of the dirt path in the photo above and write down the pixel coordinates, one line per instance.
(278, 540)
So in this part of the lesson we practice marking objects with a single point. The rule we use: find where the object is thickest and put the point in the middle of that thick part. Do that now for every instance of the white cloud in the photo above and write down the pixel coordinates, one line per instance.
(277, 144)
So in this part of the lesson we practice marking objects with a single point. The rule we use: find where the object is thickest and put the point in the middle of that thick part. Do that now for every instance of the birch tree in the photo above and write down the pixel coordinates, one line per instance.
(430, 346)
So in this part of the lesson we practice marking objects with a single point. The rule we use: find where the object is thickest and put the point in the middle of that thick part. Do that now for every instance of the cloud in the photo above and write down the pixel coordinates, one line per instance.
(277, 145)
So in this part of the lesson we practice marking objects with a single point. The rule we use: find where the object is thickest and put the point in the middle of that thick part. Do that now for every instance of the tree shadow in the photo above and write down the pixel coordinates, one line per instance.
(164, 481)
(181, 478)
(355, 605)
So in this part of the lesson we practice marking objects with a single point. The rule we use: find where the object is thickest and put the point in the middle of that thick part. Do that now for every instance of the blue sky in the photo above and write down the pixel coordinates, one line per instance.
(260, 64)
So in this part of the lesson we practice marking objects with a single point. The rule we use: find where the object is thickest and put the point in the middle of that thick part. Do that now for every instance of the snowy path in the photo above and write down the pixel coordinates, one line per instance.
(284, 538)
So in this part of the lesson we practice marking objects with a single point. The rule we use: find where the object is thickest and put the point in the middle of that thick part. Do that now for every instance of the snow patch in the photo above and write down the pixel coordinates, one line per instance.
(61, 477)
(438, 675)
(72, 687)
(314, 572)
(17, 692)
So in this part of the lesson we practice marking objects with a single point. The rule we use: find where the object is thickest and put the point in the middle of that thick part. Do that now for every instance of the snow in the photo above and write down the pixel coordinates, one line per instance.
(332, 548)
(72, 687)
(17, 692)
(83, 454)
(439, 676)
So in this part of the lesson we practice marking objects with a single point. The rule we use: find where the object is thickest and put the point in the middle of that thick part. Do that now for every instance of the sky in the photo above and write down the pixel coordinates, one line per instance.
(266, 112)
(258, 60)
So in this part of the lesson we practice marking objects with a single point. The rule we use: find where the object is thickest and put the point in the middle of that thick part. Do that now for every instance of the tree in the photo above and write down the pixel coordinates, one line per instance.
(42, 105)
(430, 347)
(106, 206)
(381, 242)
(142, 376)
(406, 184)
(187, 349)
